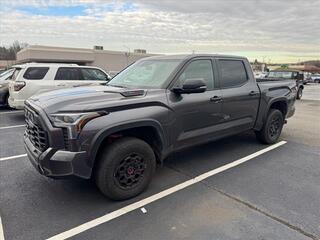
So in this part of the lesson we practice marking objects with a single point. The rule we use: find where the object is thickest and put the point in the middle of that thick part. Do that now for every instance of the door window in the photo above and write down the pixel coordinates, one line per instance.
(68, 74)
(93, 74)
(198, 69)
(233, 73)
(35, 73)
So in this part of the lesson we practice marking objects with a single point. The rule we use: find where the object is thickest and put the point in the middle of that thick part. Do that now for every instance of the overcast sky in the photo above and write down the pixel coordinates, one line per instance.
(274, 30)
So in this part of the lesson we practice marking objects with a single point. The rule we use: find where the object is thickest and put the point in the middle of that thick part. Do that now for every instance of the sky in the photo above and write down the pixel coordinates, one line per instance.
(270, 30)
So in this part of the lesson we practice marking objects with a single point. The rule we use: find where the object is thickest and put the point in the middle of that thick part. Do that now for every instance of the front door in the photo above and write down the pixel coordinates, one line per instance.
(196, 115)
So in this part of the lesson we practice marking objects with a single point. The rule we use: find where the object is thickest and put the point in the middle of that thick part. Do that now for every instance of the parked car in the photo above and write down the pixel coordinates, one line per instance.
(260, 74)
(298, 76)
(35, 78)
(315, 78)
(4, 86)
(158, 105)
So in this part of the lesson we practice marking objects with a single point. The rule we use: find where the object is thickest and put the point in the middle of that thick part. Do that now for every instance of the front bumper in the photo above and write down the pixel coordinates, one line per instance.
(57, 163)
(291, 112)
(51, 158)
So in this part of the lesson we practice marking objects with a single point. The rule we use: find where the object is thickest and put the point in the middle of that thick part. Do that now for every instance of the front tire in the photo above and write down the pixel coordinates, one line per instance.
(272, 128)
(299, 93)
(125, 168)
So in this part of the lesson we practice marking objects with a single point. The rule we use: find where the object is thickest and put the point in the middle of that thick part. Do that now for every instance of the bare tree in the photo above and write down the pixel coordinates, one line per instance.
(10, 52)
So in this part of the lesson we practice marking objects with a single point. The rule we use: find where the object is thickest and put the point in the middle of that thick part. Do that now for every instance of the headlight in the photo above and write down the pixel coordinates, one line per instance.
(74, 122)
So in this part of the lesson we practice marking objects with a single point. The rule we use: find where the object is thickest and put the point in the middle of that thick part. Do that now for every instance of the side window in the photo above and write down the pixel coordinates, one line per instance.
(198, 69)
(68, 74)
(35, 73)
(93, 74)
(233, 73)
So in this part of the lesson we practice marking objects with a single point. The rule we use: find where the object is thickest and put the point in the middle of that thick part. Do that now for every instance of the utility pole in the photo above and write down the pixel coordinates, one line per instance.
(127, 54)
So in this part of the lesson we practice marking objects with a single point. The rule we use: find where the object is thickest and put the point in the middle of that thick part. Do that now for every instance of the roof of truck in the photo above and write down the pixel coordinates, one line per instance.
(190, 56)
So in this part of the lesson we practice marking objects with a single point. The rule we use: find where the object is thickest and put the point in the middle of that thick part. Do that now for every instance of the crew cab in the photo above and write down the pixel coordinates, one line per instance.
(35, 78)
(117, 133)
(279, 75)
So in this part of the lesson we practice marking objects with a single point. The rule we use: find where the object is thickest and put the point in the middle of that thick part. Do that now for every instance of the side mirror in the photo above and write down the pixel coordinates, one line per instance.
(192, 86)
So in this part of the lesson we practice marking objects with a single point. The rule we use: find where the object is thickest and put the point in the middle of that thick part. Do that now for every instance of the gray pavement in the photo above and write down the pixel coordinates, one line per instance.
(273, 196)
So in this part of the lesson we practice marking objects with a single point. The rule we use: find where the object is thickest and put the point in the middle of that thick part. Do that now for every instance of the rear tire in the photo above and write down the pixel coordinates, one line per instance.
(125, 168)
(299, 93)
(272, 128)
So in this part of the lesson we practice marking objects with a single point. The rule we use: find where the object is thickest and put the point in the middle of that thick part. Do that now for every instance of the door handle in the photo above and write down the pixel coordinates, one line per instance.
(216, 99)
(253, 93)
(61, 85)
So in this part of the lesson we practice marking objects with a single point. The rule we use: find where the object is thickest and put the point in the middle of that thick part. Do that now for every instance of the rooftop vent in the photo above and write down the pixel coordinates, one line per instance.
(141, 51)
(98, 47)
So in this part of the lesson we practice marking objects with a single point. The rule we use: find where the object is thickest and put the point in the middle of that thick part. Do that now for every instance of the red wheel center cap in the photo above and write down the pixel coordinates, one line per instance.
(130, 170)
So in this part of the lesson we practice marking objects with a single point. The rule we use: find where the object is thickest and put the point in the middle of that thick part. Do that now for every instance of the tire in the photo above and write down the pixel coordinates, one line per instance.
(299, 93)
(120, 164)
(6, 101)
(272, 128)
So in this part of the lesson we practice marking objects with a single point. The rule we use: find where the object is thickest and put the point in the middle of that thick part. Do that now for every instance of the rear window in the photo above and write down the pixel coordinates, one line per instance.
(233, 73)
(35, 73)
(93, 74)
(68, 74)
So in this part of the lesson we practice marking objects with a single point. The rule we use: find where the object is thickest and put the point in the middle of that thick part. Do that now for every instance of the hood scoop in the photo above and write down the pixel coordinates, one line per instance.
(133, 93)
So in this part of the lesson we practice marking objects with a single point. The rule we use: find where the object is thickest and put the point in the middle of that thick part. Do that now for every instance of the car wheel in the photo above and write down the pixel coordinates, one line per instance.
(125, 168)
(6, 101)
(299, 93)
(272, 128)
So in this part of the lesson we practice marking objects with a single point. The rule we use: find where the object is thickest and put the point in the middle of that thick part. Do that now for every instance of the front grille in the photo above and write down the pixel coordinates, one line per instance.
(66, 138)
(36, 134)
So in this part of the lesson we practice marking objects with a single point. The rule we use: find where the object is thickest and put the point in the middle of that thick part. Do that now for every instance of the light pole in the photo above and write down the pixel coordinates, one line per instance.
(127, 54)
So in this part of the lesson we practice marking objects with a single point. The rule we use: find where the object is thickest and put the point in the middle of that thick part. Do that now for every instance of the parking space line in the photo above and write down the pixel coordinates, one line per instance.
(20, 111)
(129, 208)
(1, 230)
(13, 157)
(14, 126)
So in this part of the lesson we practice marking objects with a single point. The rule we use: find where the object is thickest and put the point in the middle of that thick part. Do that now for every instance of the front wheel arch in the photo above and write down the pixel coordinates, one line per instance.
(101, 138)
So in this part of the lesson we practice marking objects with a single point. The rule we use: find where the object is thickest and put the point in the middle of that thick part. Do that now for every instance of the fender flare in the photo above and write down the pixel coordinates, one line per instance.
(281, 99)
(105, 132)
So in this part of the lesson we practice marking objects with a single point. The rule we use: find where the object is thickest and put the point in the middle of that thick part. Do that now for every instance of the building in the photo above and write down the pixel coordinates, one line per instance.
(112, 61)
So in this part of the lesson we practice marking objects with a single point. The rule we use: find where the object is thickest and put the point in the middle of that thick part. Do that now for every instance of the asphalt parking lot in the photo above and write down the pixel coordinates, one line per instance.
(271, 195)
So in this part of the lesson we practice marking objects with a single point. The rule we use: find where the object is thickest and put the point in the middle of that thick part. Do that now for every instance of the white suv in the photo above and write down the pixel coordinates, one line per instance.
(35, 78)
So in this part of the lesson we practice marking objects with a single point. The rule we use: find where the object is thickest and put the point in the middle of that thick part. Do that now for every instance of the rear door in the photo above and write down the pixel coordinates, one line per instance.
(240, 94)
(76, 77)
(67, 77)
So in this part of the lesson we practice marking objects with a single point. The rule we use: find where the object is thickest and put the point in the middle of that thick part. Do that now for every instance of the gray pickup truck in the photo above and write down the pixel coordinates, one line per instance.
(117, 133)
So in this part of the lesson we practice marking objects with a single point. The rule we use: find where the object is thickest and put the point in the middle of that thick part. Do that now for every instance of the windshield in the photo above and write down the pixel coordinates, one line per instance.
(7, 72)
(280, 75)
(145, 74)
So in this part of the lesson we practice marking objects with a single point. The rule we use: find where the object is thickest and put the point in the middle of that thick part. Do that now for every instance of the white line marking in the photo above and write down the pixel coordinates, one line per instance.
(1, 230)
(13, 157)
(117, 213)
(14, 126)
(20, 111)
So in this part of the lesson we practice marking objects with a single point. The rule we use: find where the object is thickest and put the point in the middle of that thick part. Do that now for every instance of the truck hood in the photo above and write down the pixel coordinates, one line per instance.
(86, 99)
